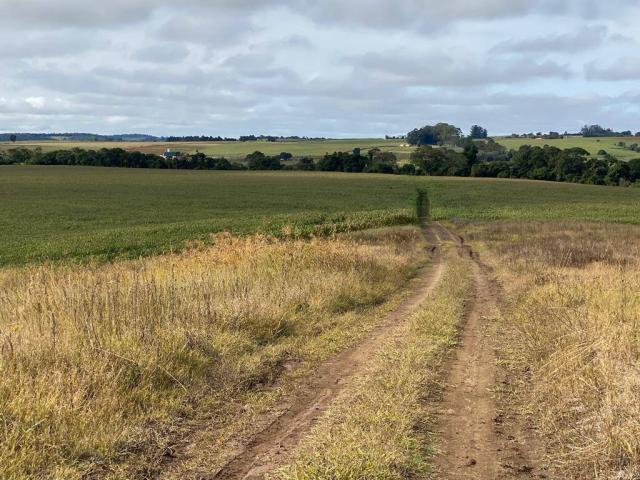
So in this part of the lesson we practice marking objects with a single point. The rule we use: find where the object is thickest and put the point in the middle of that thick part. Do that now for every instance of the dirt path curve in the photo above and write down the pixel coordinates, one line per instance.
(270, 448)
(473, 443)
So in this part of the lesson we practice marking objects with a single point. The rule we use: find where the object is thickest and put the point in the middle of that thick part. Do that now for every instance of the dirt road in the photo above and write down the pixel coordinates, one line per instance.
(477, 437)
(475, 440)
(271, 446)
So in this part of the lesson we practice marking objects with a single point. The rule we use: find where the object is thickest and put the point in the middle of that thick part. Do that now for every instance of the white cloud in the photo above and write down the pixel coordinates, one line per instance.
(36, 102)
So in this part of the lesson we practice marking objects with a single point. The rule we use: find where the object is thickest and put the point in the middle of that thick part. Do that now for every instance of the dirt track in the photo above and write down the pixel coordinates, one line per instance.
(474, 440)
(270, 447)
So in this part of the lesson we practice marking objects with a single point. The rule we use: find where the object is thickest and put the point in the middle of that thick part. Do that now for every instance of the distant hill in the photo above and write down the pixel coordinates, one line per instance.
(79, 137)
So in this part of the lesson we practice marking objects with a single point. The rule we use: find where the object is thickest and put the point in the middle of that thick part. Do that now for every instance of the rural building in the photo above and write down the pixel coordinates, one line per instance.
(168, 154)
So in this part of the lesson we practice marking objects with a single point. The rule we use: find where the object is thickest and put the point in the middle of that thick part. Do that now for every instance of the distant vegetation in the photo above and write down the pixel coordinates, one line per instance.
(76, 137)
(114, 157)
(201, 138)
(598, 131)
(441, 150)
(468, 158)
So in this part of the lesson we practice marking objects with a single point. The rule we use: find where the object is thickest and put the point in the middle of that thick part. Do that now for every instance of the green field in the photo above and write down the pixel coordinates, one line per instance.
(231, 150)
(59, 213)
(317, 148)
(591, 145)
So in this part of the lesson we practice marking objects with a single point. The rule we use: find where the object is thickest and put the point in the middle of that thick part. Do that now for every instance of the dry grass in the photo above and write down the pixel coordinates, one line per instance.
(374, 429)
(574, 311)
(99, 362)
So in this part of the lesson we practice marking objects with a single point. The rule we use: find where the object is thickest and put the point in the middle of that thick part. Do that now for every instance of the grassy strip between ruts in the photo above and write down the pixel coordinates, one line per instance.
(375, 429)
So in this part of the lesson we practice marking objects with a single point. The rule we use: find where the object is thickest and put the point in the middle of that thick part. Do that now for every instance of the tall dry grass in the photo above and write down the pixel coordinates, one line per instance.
(98, 362)
(574, 314)
(376, 428)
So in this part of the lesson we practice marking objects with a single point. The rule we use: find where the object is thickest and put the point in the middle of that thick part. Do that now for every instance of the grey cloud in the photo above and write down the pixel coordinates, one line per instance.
(567, 42)
(49, 44)
(624, 69)
(162, 53)
(439, 70)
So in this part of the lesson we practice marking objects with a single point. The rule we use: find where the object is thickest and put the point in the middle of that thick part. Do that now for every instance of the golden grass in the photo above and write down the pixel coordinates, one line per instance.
(100, 362)
(375, 428)
(574, 314)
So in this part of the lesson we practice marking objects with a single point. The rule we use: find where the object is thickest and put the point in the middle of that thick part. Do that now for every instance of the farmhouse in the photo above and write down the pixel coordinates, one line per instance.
(168, 154)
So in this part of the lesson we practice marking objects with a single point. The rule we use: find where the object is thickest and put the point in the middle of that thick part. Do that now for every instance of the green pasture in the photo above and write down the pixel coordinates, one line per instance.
(591, 145)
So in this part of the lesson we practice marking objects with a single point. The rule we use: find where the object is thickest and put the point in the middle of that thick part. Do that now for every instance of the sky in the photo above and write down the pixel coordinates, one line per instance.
(334, 68)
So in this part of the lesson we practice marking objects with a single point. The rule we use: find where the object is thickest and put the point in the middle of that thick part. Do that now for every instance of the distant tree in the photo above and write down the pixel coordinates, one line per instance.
(478, 132)
(259, 161)
(596, 131)
(305, 163)
(470, 152)
(634, 170)
(447, 134)
(422, 136)
(13, 138)
(333, 162)
(20, 155)
(382, 162)
(407, 169)
(440, 161)
(285, 156)
(441, 133)
(354, 162)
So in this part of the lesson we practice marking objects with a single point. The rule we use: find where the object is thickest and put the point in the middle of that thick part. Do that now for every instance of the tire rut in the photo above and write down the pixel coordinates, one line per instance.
(271, 447)
(472, 437)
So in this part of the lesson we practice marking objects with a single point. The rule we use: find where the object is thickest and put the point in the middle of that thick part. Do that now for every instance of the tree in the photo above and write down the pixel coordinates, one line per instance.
(13, 138)
(382, 162)
(634, 169)
(422, 136)
(440, 161)
(596, 131)
(478, 132)
(259, 161)
(471, 151)
(333, 162)
(441, 133)
(447, 134)
(305, 163)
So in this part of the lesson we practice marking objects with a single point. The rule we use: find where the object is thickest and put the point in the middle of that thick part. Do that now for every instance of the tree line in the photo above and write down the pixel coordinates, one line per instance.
(598, 131)
(468, 158)
(115, 157)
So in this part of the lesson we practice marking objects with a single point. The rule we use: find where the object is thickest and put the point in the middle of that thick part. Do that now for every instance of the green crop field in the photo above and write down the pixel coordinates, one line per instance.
(231, 150)
(591, 145)
(69, 213)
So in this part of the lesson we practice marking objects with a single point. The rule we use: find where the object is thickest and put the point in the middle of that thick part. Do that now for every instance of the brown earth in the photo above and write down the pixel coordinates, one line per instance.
(479, 436)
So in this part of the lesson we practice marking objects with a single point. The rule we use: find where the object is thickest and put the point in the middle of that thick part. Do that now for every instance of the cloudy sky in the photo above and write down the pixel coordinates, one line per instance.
(334, 68)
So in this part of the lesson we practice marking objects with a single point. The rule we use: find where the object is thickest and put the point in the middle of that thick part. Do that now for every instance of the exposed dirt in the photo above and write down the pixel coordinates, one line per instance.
(479, 438)
(272, 445)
